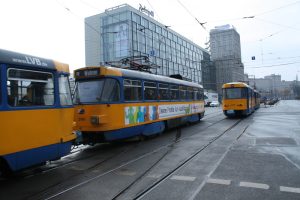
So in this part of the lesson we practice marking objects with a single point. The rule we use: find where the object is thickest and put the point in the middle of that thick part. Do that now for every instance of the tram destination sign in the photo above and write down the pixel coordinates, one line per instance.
(87, 73)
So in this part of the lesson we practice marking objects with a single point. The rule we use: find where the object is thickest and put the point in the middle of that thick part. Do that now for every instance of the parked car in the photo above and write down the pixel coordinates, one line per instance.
(214, 104)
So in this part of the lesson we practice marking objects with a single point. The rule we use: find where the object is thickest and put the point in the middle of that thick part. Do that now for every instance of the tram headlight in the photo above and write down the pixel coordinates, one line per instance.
(95, 120)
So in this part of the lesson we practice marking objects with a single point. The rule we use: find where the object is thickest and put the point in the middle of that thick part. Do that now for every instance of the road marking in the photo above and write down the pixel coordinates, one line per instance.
(183, 178)
(154, 175)
(289, 189)
(218, 181)
(126, 173)
(255, 185)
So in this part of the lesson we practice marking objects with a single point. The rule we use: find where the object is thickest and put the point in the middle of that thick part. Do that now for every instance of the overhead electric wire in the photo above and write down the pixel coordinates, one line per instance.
(274, 59)
(282, 25)
(147, 36)
(257, 14)
(276, 65)
(278, 8)
(77, 16)
(191, 14)
(89, 5)
(154, 10)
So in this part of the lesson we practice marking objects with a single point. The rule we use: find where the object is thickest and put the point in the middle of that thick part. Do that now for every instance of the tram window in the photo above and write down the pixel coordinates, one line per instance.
(111, 91)
(29, 88)
(182, 92)
(64, 91)
(200, 95)
(132, 90)
(235, 93)
(174, 92)
(97, 91)
(89, 91)
(163, 91)
(189, 94)
(150, 91)
(196, 94)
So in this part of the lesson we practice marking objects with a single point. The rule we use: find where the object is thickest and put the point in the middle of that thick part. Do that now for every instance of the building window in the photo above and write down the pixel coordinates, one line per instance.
(158, 29)
(145, 23)
(136, 18)
(152, 26)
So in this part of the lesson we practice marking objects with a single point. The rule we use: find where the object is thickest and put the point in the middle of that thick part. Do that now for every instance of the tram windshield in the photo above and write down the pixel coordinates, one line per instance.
(97, 91)
(235, 93)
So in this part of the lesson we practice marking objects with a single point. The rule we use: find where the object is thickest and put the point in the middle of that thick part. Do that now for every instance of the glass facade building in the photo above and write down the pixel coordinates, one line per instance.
(124, 32)
(225, 47)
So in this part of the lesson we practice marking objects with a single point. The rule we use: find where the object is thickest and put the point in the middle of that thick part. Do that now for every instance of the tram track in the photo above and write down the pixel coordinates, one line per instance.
(212, 114)
(191, 129)
(174, 170)
(164, 147)
(85, 171)
(38, 170)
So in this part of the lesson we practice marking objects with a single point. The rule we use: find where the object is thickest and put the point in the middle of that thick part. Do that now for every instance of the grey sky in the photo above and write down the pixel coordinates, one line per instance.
(55, 29)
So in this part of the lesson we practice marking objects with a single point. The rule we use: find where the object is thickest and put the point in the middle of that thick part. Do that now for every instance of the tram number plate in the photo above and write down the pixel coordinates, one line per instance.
(230, 111)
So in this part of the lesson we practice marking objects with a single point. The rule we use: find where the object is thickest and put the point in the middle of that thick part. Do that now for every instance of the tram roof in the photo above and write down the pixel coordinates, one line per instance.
(113, 71)
(235, 85)
(20, 59)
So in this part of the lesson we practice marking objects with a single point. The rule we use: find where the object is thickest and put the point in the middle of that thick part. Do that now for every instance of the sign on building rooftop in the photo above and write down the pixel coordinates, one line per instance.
(145, 10)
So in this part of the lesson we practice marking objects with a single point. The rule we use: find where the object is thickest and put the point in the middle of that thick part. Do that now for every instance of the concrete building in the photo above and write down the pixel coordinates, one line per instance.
(225, 51)
(124, 33)
(272, 86)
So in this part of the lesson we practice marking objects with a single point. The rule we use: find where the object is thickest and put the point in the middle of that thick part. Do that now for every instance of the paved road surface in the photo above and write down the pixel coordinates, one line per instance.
(219, 158)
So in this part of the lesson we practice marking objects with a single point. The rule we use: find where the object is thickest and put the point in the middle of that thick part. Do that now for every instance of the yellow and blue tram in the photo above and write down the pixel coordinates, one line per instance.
(36, 111)
(114, 103)
(239, 99)
(257, 98)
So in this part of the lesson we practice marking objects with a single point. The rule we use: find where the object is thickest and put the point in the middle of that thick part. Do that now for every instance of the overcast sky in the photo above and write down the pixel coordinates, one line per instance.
(55, 28)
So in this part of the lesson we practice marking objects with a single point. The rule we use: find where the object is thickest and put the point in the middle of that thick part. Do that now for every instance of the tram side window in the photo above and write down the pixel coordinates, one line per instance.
(150, 91)
(196, 94)
(64, 91)
(163, 91)
(200, 95)
(182, 92)
(132, 90)
(189, 93)
(29, 88)
(174, 92)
